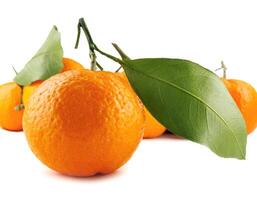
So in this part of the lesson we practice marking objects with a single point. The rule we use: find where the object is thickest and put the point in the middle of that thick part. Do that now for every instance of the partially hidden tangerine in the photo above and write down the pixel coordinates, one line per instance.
(10, 99)
(245, 97)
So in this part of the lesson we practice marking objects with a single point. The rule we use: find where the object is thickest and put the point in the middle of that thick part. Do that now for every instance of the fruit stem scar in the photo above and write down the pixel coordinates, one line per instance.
(92, 46)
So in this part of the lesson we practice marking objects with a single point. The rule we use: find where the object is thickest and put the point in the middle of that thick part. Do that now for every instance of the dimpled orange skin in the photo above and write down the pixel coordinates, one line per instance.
(153, 128)
(245, 97)
(83, 123)
(10, 97)
(68, 64)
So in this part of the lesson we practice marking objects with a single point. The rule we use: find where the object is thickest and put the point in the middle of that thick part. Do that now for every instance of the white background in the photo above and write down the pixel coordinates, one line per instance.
(164, 168)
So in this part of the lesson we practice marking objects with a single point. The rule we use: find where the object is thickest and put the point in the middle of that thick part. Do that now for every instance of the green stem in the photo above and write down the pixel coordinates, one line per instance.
(92, 54)
(223, 66)
(109, 56)
(99, 66)
(117, 70)
(78, 36)
(15, 71)
(92, 46)
(122, 54)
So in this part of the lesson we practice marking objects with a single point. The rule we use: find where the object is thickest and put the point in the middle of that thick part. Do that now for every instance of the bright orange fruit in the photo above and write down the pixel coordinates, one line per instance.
(10, 98)
(69, 64)
(245, 97)
(81, 123)
(28, 90)
(153, 128)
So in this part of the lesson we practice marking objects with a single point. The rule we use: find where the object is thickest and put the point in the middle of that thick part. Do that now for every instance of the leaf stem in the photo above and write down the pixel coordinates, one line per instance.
(117, 70)
(109, 56)
(99, 66)
(92, 55)
(122, 54)
(224, 68)
(92, 46)
(15, 71)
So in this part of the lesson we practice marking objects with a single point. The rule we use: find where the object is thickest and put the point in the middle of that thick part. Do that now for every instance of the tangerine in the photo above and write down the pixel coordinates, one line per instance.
(245, 97)
(10, 99)
(81, 123)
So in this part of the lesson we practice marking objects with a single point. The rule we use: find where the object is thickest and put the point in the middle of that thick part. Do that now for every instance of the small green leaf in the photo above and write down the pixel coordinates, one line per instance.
(191, 102)
(45, 63)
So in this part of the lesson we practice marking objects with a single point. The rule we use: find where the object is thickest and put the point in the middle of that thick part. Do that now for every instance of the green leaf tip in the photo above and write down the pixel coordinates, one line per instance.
(55, 27)
(45, 63)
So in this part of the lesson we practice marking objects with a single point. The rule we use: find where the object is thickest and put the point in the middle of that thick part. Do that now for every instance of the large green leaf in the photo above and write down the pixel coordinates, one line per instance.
(45, 63)
(190, 101)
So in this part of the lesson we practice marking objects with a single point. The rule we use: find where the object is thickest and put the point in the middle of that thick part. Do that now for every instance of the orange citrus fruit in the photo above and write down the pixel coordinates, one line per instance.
(10, 98)
(245, 97)
(69, 64)
(81, 123)
(153, 128)
(28, 90)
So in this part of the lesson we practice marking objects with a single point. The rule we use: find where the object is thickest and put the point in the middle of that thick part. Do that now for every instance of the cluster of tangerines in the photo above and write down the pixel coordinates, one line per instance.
(82, 122)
